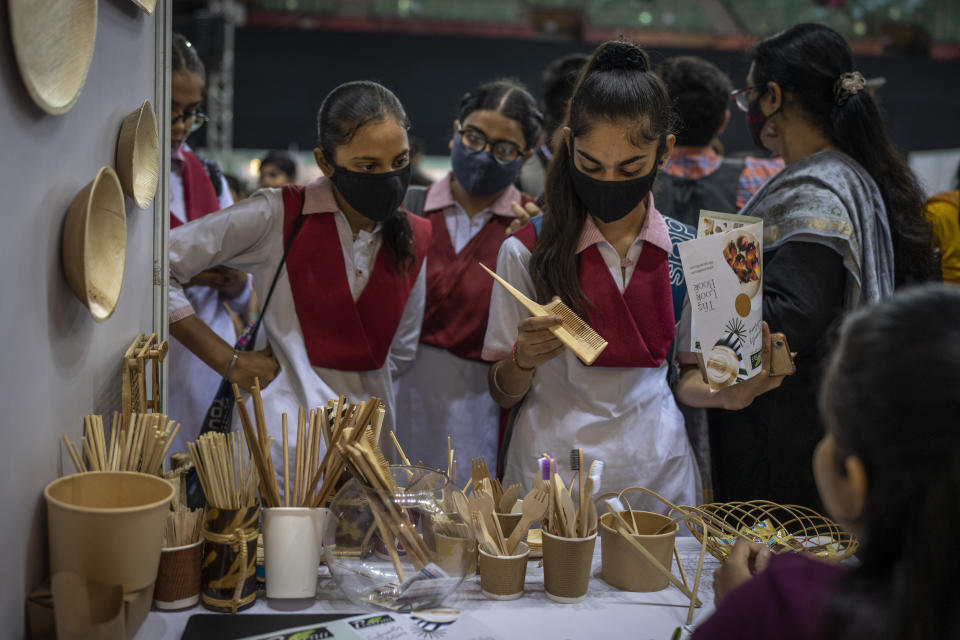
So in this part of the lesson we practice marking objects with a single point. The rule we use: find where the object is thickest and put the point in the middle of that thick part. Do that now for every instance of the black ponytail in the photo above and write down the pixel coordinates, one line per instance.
(894, 409)
(807, 61)
(510, 99)
(346, 110)
(185, 57)
(616, 85)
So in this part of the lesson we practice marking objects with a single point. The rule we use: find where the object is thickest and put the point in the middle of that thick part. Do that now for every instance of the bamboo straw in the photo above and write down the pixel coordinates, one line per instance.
(286, 463)
(396, 444)
(268, 491)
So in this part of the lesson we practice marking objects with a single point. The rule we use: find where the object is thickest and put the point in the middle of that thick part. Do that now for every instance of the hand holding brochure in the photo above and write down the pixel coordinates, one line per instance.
(723, 268)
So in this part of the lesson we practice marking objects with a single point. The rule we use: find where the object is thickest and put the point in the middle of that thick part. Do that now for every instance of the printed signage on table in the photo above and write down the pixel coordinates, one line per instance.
(723, 268)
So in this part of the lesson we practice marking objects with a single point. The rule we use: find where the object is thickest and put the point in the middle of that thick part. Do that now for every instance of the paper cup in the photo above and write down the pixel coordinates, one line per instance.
(502, 577)
(624, 567)
(292, 548)
(456, 556)
(566, 567)
(106, 526)
(178, 579)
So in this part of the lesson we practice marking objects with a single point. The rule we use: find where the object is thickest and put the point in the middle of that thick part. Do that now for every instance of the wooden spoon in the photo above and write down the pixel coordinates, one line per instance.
(534, 506)
(509, 498)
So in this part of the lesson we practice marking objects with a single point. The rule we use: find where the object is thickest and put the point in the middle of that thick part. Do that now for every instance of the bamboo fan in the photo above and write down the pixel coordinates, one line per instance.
(576, 334)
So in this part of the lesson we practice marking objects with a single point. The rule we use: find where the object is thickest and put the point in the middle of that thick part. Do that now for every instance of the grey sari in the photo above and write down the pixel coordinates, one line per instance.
(829, 199)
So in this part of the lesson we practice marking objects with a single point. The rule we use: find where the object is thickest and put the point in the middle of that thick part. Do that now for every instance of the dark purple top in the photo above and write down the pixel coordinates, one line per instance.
(782, 602)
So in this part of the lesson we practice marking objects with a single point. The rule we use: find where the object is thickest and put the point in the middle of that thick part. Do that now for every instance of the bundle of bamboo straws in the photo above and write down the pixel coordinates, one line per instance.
(338, 422)
(139, 444)
(182, 527)
(225, 470)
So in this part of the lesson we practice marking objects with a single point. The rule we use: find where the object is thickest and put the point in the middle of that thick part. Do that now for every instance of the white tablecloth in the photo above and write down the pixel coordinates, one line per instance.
(606, 611)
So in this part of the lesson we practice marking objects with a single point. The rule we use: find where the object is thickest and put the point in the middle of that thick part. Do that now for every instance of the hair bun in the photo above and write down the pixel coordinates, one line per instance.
(620, 55)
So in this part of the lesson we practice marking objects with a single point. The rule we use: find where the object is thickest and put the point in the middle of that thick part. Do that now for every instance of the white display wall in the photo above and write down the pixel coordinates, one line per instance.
(58, 363)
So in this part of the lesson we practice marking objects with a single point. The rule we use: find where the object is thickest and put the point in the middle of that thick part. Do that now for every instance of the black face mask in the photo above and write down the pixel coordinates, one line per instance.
(373, 195)
(610, 200)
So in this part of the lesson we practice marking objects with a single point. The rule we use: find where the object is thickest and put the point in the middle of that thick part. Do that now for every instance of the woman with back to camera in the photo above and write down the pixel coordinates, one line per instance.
(888, 469)
(843, 227)
(346, 311)
(444, 393)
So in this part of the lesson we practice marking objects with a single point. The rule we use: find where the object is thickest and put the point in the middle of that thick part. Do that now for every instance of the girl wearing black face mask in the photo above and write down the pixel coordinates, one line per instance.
(347, 264)
(843, 226)
(445, 391)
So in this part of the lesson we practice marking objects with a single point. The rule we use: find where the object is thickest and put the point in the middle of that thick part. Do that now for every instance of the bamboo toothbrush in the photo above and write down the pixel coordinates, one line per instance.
(579, 337)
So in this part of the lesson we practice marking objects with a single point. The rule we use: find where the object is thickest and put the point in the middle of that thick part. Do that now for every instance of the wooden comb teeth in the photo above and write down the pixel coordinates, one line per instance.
(576, 334)
(576, 325)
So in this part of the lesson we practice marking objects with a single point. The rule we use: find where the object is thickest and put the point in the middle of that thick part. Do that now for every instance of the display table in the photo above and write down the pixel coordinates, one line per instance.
(605, 610)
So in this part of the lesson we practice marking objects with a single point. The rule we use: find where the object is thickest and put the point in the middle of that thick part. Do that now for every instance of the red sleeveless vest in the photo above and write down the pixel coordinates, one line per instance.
(637, 324)
(199, 197)
(458, 293)
(340, 333)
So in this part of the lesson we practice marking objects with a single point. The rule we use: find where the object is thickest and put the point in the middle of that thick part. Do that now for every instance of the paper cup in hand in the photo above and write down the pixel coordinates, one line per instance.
(566, 567)
(502, 577)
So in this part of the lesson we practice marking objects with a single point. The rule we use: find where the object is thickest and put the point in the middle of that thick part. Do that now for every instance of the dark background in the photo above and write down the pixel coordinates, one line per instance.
(282, 75)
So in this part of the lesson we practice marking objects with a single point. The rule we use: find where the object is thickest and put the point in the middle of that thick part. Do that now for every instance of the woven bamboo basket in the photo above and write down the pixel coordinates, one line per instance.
(784, 528)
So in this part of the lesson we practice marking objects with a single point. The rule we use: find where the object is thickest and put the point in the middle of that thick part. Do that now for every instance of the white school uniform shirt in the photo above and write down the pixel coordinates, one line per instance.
(442, 394)
(191, 383)
(249, 236)
(625, 416)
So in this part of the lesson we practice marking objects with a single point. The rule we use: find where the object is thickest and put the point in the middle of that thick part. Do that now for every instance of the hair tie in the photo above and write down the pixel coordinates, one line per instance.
(848, 84)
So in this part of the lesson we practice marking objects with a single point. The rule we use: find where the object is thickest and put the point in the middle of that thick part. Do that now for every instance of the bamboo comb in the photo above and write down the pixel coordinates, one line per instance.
(576, 334)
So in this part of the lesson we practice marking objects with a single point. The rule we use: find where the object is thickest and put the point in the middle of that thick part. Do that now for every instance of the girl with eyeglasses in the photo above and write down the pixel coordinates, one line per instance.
(197, 188)
(843, 226)
(445, 391)
(344, 263)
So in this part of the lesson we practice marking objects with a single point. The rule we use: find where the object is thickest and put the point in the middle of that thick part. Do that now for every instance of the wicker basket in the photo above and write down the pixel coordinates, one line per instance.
(784, 528)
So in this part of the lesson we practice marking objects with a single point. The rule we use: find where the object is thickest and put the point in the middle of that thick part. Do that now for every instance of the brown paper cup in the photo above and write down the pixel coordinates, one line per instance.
(502, 577)
(508, 522)
(624, 567)
(566, 567)
(456, 556)
(178, 580)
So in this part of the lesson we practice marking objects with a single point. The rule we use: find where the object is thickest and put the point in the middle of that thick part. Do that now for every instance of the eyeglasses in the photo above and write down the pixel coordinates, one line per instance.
(504, 151)
(742, 97)
(192, 120)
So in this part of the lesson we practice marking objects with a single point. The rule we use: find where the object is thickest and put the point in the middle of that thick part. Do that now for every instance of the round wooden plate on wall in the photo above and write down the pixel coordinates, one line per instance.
(53, 41)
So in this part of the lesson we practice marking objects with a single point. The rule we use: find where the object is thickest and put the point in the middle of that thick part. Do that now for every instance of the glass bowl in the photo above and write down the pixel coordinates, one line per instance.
(402, 550)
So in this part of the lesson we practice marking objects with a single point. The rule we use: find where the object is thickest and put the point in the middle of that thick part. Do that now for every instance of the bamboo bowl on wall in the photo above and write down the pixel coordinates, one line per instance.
(95, 244)
(138, 155)
(53, 41)
(147, 5)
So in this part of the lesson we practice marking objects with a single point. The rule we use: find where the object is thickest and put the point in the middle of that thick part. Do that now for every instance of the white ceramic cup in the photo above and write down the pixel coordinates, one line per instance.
(293, 542)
